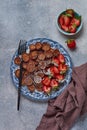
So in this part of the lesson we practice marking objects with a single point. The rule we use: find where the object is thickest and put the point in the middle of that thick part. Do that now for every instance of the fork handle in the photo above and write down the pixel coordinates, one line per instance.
(19, 88)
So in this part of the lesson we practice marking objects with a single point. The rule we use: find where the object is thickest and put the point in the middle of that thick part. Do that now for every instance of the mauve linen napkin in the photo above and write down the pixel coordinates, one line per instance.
(67, 107)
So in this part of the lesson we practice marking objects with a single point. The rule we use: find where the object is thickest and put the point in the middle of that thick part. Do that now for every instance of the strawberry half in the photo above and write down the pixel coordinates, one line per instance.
(65, 28)
(52, 71)
(63, 68)
(76, 21)
(55, 61)
(46, 81)
(47, 89)
(71, 43)
(72, 28)
(61, 58)
(66, 20)
(56, 70)
(54, 84)
(61, 19)
(60, 78)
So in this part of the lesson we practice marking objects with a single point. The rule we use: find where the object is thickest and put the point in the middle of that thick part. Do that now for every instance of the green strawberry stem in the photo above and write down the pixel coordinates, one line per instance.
(69, 15)
(69, 41)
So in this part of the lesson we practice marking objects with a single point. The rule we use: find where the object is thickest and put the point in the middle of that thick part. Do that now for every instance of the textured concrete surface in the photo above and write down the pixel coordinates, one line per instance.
(28, 19)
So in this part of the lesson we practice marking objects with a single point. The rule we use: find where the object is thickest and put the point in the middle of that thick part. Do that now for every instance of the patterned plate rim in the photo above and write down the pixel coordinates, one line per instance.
(40, 96)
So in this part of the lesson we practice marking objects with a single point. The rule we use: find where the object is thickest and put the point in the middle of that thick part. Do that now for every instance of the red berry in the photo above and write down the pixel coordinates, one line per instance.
(47, 89)
(70, 12)
(71, 43)
(54, 84)
(56, 70)
(46, 81)
(61, 19)
(61, 58)
(63, 68)
(65, 28)
(76, 21)
(55, 61)
(66, 20)
(72, 28)
(59, 77)
(52, 70)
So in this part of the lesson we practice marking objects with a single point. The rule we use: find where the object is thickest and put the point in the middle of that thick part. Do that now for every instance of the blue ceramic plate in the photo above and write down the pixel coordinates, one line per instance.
(67, 33)
(40, 96)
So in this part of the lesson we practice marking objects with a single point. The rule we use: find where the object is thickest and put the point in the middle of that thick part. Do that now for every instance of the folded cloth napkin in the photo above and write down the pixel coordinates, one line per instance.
(63, 111)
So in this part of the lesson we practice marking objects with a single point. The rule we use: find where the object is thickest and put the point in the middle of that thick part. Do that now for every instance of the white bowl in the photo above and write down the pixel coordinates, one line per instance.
(68, 33)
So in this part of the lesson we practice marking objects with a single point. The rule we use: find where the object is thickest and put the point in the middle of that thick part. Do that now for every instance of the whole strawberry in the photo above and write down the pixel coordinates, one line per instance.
(71, 43)
(70, 12)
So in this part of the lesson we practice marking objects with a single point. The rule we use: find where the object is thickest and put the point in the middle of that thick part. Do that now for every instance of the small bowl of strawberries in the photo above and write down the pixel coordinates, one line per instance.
(69, 22)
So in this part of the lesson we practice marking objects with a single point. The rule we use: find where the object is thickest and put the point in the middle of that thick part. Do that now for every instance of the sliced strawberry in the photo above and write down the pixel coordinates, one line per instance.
(70, 12)
(59, 77)
(65, 28)
(76, 21)
(52, 70)
(66, 20)
(72, 21)
(47, 89)
(46, 81)
(55, 61)
(56, 70)
(61, 19)
(63, 68)
(54, 84)
(61, 58)
(72, 28)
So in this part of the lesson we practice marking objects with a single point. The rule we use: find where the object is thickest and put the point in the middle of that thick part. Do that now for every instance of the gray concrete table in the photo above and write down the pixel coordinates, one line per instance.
(28, 19)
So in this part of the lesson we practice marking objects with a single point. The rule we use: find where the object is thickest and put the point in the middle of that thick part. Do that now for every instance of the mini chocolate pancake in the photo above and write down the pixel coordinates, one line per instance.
(17, 60)
(17, 73)
(31, 88)
(31, 66)
(48, 54)
(33, 55)
(25, 73)
(49, 62)
(41, 56)
(46, 46)
(25, 57)
(24, 65)
(38, 45)
(27, 81)
(32, 47)
(52, 50)
(42, 64)
(39, 87)
(56, 52)
(41, 74)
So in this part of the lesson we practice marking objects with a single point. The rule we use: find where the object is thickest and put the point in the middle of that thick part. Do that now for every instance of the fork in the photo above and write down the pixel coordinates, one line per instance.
(21, 49)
